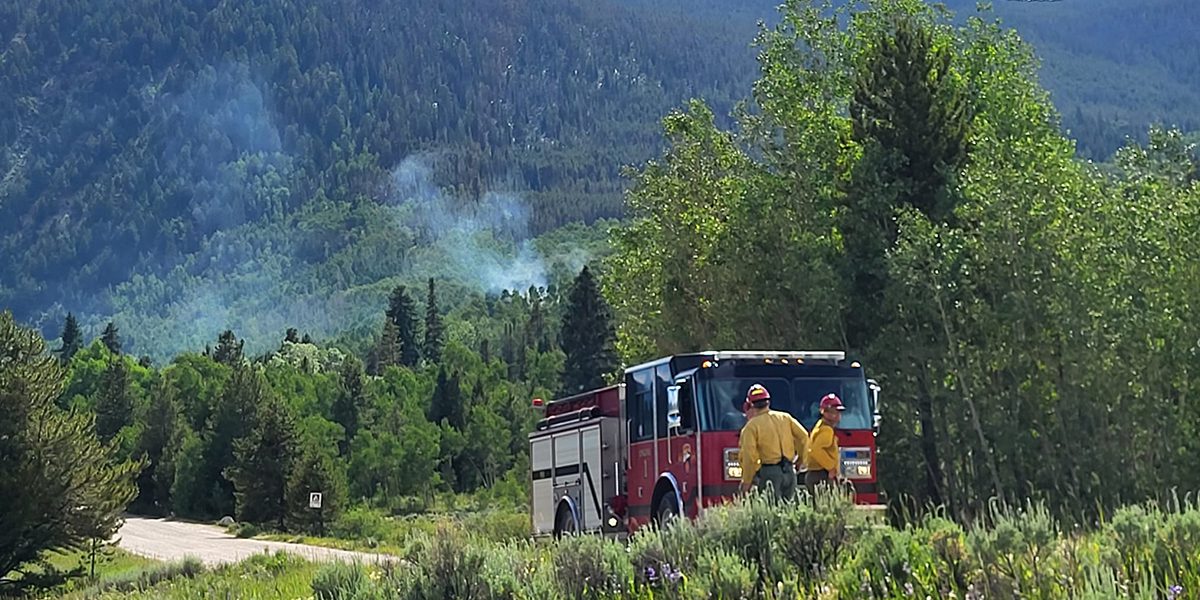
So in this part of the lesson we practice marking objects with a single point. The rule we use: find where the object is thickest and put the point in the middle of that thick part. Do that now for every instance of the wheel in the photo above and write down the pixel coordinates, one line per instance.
(666, 510)
(565, 523)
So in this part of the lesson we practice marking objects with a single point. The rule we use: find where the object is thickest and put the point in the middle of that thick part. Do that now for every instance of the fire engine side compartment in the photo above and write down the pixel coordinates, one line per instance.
(578, 460)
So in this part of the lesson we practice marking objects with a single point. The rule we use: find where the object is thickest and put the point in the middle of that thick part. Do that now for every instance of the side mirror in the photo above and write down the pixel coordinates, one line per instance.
(674, 420)
(876, 413)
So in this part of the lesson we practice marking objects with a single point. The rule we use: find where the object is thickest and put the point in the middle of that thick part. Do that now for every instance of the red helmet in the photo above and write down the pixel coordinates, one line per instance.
(757, 394)
(832, 401)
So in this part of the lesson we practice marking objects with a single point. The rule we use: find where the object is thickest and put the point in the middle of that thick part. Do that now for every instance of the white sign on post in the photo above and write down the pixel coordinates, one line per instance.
(314, 500)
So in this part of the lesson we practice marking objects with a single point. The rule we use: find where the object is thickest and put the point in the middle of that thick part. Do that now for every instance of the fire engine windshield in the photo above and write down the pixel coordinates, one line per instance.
(721, 398)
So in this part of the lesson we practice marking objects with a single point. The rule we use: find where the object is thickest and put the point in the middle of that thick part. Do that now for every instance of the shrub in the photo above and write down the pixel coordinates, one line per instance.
(811, 534)
(498, 526)
(721, 574)
(361, 523)
(742, 528)
(246, 530)
(340, 581)
(448, 565)
(1016, 551)
(677, 545)
(592, 567)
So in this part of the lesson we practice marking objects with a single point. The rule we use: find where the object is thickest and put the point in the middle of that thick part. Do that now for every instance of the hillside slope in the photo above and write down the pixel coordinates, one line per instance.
(139, 136)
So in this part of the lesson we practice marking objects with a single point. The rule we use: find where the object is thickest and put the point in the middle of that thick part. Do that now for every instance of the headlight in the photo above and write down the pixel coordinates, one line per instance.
(856, 463)
(733, 469)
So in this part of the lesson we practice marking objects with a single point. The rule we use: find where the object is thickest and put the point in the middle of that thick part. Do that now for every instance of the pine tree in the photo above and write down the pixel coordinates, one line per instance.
(912, 118)
(231, 419)
(229, 349)
(350, 402)
(433, 328)
(114, 402)
(111, 338)
(536, 330)
(588, 337)
(163, 419)
(292, 336)
(387, 352)
(72, 339)
(262, 461)
(402, 313)
(62, 487)
(315, 470)
(307, 339)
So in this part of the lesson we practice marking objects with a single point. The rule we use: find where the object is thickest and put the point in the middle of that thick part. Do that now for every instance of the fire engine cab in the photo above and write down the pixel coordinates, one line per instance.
(663, 443)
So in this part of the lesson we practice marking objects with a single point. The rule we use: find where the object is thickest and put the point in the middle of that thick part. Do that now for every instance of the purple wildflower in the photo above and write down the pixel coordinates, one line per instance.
(1174, 592)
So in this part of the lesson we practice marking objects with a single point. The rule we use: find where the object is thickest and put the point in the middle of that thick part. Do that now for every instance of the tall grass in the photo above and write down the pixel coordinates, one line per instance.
(818, 548)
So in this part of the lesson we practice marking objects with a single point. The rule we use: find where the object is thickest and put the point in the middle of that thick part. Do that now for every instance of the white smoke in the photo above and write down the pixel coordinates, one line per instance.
(485, 241)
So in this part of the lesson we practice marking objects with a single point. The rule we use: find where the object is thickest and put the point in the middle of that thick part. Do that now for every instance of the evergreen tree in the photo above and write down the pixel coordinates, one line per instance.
(114, 402)
(231, 419)
(433, 328)
(292, 336)
(111, 338)
(229, 349)
(262, 462)
(536, 329)
(307, 339)
(912, 119)
(387, 352)
(588, 337)
(350, 402)
(72, 339)
(62, 487)
(401, 312)
(163, 419)
(315, 470)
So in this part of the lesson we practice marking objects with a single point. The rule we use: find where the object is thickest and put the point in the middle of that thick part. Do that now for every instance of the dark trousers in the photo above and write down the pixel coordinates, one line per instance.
(781, 477)
(813, 478)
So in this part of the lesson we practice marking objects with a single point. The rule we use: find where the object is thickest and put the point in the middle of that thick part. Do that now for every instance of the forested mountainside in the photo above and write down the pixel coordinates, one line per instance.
(189, 166)
(158, 145)
(1112, 67)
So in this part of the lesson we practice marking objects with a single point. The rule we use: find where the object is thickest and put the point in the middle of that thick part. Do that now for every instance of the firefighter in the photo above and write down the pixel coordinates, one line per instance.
(822, 459)
(771, 443)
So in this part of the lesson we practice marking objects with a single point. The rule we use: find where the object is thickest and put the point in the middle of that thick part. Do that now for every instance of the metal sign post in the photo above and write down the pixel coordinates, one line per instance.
(314, 501)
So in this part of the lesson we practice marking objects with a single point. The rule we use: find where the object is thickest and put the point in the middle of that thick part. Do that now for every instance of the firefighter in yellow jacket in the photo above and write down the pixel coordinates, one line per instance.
(771, 443)
(822, 461)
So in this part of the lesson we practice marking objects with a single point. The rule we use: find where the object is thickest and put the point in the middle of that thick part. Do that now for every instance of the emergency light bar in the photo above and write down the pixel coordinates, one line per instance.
(834, 355)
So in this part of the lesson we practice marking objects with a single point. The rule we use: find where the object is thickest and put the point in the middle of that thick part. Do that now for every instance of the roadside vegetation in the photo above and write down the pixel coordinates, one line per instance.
(749, 549)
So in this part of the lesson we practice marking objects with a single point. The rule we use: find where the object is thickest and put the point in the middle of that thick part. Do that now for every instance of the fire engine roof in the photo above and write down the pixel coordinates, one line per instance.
(719, 355)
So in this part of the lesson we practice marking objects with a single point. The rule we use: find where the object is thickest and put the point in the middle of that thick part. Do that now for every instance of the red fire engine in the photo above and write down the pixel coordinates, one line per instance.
(664, 442)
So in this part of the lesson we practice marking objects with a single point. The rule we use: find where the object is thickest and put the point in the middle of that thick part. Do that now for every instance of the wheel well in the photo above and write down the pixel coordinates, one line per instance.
(567, 504)
(662, 488)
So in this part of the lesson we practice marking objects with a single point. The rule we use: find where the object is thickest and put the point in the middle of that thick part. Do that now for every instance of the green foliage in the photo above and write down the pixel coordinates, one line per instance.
(263, 465)
(72, 339)
(401, 314)
(588, 337)
(431, 348)
(340, 581)
(111, 338)
(900, 189)
(315, 470)
(591, 567)
(64, 488)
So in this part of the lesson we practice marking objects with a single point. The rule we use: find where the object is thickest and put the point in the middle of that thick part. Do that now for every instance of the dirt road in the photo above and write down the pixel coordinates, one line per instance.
(173, 540)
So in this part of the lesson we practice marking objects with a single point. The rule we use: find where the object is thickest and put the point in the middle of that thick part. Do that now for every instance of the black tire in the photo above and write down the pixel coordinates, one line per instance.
(666, 511)
(565, 523)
